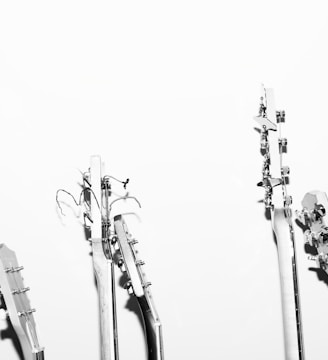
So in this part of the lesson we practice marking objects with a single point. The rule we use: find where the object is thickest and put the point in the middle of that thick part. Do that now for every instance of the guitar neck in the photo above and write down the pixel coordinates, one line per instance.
(284, 233)
(103, 268)
(37, 354)
(104, 272)
(153, 328)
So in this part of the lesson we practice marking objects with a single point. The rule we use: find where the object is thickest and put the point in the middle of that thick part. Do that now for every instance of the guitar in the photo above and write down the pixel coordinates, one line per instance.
(139, 287)
(103, 263)
(18, 305)
(312, 216)
(104, 237)
(277, 204)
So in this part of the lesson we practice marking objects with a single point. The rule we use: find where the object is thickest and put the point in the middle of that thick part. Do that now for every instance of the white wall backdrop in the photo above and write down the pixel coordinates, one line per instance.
(165, 92)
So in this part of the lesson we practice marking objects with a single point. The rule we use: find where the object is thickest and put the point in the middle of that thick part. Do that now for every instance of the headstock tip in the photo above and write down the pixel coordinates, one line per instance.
(312, 198)
(309, 200)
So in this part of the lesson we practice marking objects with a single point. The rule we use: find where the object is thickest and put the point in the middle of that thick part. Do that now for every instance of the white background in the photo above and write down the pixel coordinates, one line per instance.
(165, 92)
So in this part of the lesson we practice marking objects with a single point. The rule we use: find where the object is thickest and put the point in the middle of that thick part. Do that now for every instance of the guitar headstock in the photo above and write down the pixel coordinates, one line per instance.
(17, 303)
(129, 261)
(312, 216)
(270, 120)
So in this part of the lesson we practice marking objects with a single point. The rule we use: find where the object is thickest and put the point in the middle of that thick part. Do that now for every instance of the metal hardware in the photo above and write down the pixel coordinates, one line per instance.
(280, 116)
(97, 203)
(16, 269)
(20, 291)
(133, 241)
(281, 215)
(26, 313)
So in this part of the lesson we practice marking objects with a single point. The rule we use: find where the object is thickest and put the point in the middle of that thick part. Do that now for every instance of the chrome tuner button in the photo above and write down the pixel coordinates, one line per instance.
(133, 241)
(308, 237)
(113, 240)
(128, 286)
(121, 265)
(120, 262)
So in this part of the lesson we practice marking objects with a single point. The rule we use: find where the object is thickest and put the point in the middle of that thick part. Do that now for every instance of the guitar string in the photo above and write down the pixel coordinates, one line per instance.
(294, 264)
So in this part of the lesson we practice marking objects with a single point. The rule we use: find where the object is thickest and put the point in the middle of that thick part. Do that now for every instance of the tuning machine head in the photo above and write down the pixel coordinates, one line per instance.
(114, 242)
(312, 216)
(280, 115)
(121, 265)
(87, 178)
(128, 286)
(106, 185)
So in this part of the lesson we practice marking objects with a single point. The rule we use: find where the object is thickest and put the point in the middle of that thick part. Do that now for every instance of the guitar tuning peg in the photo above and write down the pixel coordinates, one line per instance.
(319, 211)
(113, 240)
(16, 269)
(25, 313)
(280, 115)
(86, 177)
(133, 241)
(283, 145)
(288, 200)
(299, 215)
(264, 141)
(321, 259)
(20, 291)
(128, 286)
(120, 264)
(285, 170)
(308, 237)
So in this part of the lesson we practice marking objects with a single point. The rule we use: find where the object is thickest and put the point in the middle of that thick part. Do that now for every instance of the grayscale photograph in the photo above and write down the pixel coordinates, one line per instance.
(164, 187)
